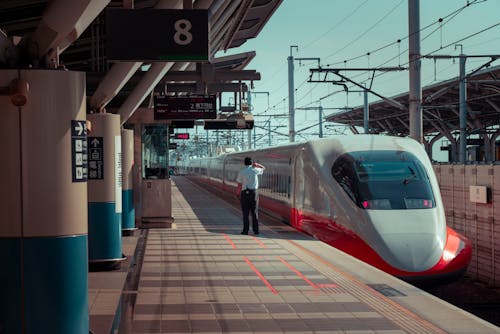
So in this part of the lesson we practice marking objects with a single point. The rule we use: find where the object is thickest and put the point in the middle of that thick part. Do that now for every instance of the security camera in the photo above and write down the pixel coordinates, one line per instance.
(18, 92)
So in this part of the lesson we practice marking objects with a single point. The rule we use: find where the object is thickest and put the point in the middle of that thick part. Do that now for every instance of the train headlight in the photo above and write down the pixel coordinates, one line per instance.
(376, 204)
(453, 247)
(418, 203)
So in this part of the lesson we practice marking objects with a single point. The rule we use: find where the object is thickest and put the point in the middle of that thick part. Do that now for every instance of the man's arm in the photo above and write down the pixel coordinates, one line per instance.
(238, 190)
(257, 165)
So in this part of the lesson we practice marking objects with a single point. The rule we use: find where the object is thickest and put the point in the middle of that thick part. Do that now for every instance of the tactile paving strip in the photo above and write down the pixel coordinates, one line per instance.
(404, 318)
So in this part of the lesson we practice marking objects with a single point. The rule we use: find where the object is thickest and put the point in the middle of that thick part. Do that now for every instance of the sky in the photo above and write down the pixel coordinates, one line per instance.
(359, 34)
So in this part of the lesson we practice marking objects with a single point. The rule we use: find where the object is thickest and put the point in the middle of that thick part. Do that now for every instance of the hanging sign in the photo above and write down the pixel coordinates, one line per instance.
(79, 150)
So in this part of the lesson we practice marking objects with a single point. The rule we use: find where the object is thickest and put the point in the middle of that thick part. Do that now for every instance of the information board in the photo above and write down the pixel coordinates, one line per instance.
(228, 125)
(79, 150)
(190, 107)
(157, 34)
(181, 125)
(96, 158)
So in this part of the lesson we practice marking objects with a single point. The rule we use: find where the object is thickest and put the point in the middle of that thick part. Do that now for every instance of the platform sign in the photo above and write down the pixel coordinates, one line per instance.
(118, 174)
(79, 150)
(228, 125)
(157, 35)
(181, 136)
(181, 125)
(96, 158)
(190, 107)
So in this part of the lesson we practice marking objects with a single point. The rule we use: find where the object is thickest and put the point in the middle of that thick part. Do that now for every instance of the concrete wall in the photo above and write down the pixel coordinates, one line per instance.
(480, 222)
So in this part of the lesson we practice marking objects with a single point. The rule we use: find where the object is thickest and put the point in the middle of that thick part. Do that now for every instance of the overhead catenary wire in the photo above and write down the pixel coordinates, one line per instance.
(366, 31)
(283, 67)
(439, 21)
(421, 56)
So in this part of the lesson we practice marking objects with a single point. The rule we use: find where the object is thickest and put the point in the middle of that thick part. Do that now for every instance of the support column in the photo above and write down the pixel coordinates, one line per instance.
(366, 113)
(43, 229)
(463, 110)
(415, 92)
(291, 98)
(105, 192)
(320, 112)
(128, 214)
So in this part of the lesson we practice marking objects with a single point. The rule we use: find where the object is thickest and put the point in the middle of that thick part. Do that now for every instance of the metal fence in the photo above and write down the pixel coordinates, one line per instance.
(480, 222)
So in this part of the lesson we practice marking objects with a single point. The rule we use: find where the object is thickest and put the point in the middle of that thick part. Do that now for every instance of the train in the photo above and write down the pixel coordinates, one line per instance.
(374, 197)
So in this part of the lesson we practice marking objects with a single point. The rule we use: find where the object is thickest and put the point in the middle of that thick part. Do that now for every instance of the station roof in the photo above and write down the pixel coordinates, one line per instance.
(440, 107)
(232, 23)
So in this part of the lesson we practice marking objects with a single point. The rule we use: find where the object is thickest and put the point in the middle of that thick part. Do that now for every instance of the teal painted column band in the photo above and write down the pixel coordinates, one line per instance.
(55, 285)
(10, 285)
(105, 232)
(128, 211)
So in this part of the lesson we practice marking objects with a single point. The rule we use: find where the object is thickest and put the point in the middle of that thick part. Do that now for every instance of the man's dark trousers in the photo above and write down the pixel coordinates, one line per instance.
(250, 204)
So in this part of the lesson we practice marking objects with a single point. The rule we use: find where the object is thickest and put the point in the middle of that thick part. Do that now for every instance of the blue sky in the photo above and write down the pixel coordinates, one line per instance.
(339, 30)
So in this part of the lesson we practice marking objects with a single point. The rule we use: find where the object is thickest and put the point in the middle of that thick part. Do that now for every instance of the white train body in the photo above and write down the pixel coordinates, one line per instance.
(374, 197)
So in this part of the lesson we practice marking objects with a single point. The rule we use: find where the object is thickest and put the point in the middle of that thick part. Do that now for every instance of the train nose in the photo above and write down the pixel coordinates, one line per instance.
(409, 240)
(413, 252)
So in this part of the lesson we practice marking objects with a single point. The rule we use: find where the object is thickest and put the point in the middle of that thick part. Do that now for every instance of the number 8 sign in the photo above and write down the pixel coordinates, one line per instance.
(182, 35)
(157, 35)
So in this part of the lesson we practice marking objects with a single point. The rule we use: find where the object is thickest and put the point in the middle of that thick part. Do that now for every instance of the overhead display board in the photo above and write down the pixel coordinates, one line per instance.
(228, 125)
(181, 124)
(157, 35)
(185, 107)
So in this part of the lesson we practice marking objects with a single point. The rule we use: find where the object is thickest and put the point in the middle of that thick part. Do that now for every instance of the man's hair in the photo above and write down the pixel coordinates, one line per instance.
(248, 161)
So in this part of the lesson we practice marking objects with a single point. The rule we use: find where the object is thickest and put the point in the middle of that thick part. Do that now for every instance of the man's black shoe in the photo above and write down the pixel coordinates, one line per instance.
(255, 233)
(244, 233)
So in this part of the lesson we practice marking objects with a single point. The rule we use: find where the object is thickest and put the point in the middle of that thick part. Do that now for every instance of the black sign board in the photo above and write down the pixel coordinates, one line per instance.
(182, 125)
(157, 35)
(191, 107)
(172, 146)
(96, 158)
(228, 125)
(79, 150)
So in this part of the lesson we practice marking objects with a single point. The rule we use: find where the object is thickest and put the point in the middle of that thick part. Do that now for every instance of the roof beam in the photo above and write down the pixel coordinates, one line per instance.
(493, 105)
(211, 75)
(202, 88)
(62, 23)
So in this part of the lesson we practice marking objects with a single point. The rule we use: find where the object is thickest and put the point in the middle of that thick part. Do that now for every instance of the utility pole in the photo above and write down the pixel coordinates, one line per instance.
(364, 88)
(291, 96)
(366, 112)
(415, 93)
(320, 112)
(320, 118)
(250, 108)
(462, 93)
(269, 132)
(291, 92)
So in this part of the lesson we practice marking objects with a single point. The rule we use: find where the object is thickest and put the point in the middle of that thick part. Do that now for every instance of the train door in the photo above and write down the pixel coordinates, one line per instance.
(223, 176)
(298, 187)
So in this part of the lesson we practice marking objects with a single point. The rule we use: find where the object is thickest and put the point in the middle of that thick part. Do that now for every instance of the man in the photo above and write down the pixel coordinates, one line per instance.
(247, 192)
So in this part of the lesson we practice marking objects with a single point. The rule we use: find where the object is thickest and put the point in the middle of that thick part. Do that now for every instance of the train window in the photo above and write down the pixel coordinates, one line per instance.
(384, 180)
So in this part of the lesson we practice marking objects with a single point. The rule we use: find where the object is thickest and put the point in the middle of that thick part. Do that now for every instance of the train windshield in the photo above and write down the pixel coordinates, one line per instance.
(384, 180)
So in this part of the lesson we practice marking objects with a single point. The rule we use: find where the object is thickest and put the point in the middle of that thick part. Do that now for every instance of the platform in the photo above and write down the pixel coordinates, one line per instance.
(202, 276)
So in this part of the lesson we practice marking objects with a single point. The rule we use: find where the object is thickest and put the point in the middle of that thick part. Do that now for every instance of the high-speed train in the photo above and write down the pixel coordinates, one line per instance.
(374, 197)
